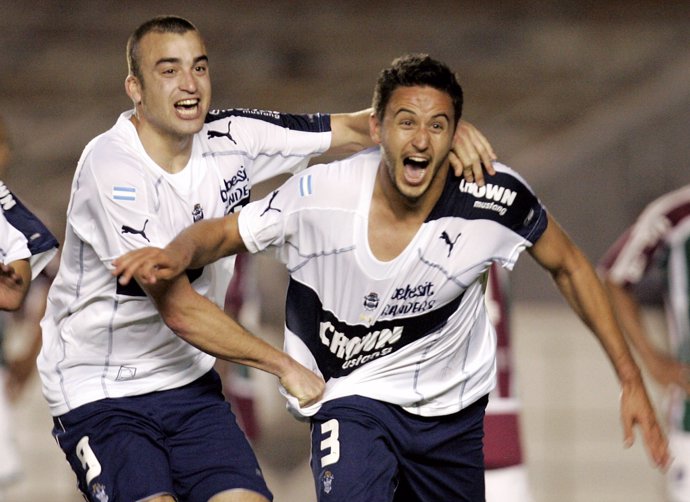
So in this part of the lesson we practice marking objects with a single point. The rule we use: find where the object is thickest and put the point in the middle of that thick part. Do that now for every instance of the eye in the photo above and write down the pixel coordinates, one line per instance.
(201, 69)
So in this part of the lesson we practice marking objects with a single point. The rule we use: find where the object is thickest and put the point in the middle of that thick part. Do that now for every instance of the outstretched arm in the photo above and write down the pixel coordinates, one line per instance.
(15, 279)
(665, 369)
(196, 246)
(577, 280)
(471, 150)
(201, 323)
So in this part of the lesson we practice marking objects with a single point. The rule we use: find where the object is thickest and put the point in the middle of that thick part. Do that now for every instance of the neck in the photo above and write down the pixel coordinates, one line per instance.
(170, 152)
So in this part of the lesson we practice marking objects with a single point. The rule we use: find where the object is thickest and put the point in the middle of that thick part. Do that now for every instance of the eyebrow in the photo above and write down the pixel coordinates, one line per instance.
(405, 110)
(198, 59)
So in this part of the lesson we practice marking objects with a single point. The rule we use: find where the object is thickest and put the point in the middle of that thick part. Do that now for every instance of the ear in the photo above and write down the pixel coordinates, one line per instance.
(375, 128)
(133, 89)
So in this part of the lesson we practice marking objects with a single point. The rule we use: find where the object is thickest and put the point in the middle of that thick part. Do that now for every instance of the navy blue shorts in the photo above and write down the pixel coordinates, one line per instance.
(365, 450)
(184, 442)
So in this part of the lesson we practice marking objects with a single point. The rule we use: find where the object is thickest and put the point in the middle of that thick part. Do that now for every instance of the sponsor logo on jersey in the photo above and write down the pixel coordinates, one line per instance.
(415, 300)
(235, 192)
(497, 198)
(269, 207)
(124, 193)
(371, 301)
(451, 243)
(220, 134)
(356, 350)
(197, 213)
(126, 229)
(6, 199)
(339, 348)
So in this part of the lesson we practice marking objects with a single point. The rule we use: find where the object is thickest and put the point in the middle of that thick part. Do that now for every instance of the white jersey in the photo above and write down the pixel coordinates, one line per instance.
(102, 340)
(23, 235)
(413, 331)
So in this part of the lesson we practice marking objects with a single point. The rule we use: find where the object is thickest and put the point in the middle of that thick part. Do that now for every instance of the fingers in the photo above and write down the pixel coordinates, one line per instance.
(143, 263)
(471, 151)
(657, 445)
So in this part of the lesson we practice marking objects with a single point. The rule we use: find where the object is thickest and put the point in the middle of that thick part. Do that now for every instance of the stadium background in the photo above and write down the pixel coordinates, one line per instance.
(588, 100)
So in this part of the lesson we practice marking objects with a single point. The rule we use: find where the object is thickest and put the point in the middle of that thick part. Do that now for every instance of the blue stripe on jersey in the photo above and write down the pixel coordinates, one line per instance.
(133, 288)
(504, 199)
(340, 348)
(315, 122)
(39, 238)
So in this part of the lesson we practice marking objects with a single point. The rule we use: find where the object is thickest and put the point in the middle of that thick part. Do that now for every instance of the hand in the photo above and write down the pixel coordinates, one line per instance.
(147, 265)
(302, 383)
(470, 151)
(14, 283)
(636, 409)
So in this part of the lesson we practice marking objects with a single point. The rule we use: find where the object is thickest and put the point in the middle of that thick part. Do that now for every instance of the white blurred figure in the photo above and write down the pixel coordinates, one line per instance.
(506, 472)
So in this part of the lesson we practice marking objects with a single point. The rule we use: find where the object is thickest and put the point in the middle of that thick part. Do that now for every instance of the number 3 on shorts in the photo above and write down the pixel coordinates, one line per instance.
(88, 459)
(330, 443)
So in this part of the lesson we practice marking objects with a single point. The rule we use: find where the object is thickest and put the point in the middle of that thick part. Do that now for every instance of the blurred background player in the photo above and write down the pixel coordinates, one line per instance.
(652, 260)
(26, 247)
(506, 473)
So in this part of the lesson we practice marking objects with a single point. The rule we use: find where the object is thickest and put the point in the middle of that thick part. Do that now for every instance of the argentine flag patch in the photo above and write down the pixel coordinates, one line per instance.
(124, 193)
(305, 186)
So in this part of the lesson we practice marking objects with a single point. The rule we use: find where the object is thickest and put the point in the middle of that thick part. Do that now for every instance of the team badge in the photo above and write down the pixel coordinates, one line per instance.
(197, 213)
(327, 481)
(371, 301)
(98, 491)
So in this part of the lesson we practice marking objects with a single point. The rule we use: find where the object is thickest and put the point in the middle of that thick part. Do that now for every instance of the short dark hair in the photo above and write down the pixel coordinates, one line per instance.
(159, 24)
(416, 70)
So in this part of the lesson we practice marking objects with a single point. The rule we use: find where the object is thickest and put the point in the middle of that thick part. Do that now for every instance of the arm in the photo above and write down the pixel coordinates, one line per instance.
(15, 279)
(577, 280)
(201, 323)
(665, 370)
(471, 150)
(196, 246)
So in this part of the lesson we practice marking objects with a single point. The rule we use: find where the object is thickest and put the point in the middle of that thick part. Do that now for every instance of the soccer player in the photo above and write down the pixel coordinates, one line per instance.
(138, 412)
(26, 247)
(654, 251)
(386, 252)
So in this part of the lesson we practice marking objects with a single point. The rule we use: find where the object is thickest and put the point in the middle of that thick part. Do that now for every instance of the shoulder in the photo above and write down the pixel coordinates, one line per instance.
(315, 122)
(340, 180)
(673, 206)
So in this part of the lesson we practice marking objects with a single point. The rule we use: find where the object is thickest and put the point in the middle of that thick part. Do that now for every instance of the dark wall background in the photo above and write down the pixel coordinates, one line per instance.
(588, 100)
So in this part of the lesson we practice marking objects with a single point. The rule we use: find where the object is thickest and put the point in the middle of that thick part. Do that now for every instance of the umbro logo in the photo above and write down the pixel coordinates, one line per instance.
(451, 243)
(269, 208)
(219, 134)
(129, 230)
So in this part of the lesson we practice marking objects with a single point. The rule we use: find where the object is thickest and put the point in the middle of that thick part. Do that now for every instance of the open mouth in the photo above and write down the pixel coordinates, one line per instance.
(415, 168)
(187, 107)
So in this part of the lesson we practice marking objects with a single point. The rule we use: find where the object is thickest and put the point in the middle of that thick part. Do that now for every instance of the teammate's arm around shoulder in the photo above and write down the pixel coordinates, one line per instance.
(578, 282)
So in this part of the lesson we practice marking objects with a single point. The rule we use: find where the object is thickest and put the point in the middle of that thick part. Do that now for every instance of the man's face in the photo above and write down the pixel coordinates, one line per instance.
(416, 136)
(174, 93)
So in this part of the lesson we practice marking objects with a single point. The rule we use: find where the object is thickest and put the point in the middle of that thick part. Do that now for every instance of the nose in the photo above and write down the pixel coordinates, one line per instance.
(188, 82)
(421, 138)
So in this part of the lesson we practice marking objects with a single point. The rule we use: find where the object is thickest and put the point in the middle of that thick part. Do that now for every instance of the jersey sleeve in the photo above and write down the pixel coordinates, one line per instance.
(109, 209)
(267, 222)
(632, 254)
(277, 143)
(24, 235)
